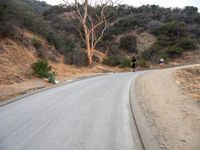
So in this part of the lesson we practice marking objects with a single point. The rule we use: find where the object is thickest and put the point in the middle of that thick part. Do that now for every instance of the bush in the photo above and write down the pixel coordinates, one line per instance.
(41, 68)
(173, 39)
(175, 51)
(174, 30)
(125, 62)
(117, 60)
(187, 44)
(36, 43)
(128, 43)
(170, 33)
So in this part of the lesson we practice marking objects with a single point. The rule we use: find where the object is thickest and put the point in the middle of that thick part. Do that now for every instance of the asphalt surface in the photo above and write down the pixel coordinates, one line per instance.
(91, 114)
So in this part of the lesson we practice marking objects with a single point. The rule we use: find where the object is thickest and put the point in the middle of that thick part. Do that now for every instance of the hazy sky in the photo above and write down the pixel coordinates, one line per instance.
(164, 3)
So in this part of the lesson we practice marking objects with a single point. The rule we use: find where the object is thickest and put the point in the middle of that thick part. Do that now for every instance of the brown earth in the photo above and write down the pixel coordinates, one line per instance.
(189, 80)
(173, 115)
(16, 58)
(64, 73)
(15, 62)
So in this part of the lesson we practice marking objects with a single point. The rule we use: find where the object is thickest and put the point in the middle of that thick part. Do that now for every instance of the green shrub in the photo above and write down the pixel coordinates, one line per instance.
(41, 68)
(117, 60)
(36, 43)
(125, 62)
(175, 51)
(174, 29)
(170, 33)
(187, 44)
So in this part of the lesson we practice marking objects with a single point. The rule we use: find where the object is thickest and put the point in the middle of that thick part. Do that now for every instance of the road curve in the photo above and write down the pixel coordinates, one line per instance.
(91, 114)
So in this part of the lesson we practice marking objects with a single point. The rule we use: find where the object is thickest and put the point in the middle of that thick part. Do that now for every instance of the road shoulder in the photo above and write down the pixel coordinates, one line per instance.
(41, 88)
(172, 116)
(146, 135)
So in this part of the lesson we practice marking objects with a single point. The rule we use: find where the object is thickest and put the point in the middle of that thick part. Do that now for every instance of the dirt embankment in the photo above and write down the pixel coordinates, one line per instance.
(17, 56)
(189, 79)
(169, 100)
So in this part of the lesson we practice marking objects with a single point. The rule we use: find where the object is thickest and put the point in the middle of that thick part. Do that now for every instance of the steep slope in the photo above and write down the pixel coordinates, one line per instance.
(16, 57)
(15, 62)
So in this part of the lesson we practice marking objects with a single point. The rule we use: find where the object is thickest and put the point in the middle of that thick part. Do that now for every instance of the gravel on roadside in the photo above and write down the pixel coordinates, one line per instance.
(173, 116)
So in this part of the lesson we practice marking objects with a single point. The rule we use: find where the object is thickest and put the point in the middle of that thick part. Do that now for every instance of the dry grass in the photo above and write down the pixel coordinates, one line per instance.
(15, 62)
(65, 72)
(189, 78)
(16, 58)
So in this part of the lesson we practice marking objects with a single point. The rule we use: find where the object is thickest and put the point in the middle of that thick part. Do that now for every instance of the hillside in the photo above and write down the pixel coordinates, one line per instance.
(32, 30)
(150, 32)
(169, 31)
(48, 82)
(189, 79)
(17, 57)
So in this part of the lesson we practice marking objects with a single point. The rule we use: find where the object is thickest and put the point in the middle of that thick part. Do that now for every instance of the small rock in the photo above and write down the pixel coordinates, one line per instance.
(183, 140)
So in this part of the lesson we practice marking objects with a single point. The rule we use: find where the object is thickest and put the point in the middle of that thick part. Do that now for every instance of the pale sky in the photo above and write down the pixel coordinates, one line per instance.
(164, 3)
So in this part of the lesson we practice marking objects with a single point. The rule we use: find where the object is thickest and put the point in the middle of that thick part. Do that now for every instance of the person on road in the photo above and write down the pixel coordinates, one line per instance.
(133, 63)
(162, 63)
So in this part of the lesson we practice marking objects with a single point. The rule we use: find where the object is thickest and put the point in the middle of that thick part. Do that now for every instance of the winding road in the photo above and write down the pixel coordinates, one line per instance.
(90, 114)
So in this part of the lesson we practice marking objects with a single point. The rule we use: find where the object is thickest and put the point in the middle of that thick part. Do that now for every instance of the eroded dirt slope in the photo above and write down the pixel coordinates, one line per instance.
(15, 62)
(189, 80)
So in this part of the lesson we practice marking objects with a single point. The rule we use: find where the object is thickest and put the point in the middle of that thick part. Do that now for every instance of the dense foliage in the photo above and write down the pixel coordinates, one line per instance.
(173, 39)
(24, 14)
(177, 30)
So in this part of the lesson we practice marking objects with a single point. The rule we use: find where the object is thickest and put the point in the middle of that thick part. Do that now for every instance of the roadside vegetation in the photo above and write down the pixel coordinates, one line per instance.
(117, 60)
(176, 30)
(42, 69)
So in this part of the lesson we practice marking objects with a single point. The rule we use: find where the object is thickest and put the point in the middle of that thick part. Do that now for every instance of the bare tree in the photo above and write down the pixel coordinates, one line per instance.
(92, 24)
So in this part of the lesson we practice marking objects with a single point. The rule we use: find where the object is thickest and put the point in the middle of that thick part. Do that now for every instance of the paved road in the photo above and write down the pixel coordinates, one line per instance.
(91, 114)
